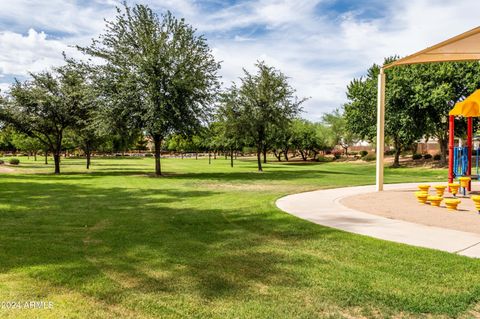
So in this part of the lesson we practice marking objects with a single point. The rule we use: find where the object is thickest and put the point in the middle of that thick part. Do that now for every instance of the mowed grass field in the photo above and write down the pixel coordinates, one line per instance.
(207, 241)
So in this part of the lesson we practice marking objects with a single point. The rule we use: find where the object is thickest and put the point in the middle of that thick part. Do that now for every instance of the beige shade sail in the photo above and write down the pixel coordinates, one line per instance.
(463, 47)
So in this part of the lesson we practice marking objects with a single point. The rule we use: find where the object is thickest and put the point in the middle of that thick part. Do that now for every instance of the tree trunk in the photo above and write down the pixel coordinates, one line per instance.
(414, 148)
(231, 158)
(88, 158)
(285, 154)
(157, 143)
(196, 155)
(264, 154)
(215, 155)
(259, 158)
(35, 156)
(278, 155)
(209, 158)
(56, 159)
(46, 157)
(443, 142)
(304, 155)
(398, 151)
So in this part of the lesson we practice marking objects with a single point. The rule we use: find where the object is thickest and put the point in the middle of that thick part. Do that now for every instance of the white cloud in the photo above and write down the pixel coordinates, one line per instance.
(33, 52)
(321, 52)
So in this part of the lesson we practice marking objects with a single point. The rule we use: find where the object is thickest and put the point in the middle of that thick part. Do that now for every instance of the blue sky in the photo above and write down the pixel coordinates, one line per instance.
(320, 44)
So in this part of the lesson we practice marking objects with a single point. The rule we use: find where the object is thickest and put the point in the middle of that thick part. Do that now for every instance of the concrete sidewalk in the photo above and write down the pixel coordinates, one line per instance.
(323, 207)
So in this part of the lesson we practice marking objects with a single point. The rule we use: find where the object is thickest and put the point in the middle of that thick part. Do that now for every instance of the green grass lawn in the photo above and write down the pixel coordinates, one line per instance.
(207, 241)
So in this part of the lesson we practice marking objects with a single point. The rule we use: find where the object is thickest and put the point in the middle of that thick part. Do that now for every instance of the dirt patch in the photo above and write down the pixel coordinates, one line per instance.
(402, 205)
(4, 169)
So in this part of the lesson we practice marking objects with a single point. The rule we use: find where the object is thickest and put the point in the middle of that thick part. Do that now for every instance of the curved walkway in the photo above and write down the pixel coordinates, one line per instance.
(323, 207)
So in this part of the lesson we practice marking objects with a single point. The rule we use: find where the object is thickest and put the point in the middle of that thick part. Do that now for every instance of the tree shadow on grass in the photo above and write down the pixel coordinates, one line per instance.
(235, 176)
(115, 243)
(112, 242)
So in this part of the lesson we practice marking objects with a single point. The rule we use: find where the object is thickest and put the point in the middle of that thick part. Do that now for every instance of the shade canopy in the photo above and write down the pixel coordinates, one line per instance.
(463, 47)
(470, 107)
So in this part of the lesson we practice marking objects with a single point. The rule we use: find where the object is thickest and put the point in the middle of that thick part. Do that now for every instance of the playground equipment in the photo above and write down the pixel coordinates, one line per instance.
(454, 188)
(421, 197)
(462, 166)
(476, 200)
(424, 188)
(440, 189)
(435, 200)
(464, 184)
(452, 203)
(460, 157)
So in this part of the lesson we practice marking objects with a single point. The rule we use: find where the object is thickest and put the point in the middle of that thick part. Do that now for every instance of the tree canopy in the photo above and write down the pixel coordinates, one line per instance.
(264, 101)
(45, 106)
(158, 71)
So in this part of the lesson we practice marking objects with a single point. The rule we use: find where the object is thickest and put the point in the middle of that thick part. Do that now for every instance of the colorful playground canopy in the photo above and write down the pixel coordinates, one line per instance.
(470, 107)
(463, 47)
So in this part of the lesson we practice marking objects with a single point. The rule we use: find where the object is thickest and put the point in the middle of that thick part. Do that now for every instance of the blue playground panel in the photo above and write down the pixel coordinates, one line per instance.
(460, 161)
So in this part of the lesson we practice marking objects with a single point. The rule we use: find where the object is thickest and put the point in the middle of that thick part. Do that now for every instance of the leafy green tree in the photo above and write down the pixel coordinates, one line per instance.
(437, 87)
(214, 138)
(304, 138)
(176, 143)
(89, 131)
(158, 71)
(229, 131)
(404, 117)
(281, 141)
(27, 144)
(6, 138)
(264, 100)
(325, 139)
(418, 100)
(141, 143)
(45, 107)
(360, 111)
(339, 131)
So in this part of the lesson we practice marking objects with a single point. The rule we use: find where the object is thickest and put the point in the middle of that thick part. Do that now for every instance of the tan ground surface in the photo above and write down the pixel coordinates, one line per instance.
(402, 205)
(4, 169)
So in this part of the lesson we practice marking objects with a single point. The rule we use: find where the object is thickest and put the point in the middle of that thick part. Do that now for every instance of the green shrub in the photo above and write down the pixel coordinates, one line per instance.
(2, 162)
(148, 154)
(323, 159)
(363, 153)
(14, 161)
(437, 157)
(337, 154)
(417, 156)
(390, 152)
(369, 157)
(353, 153)
(427, 156)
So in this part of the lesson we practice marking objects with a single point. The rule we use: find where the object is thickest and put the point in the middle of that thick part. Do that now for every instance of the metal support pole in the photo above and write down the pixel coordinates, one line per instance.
(451, 144)
(380, 129)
